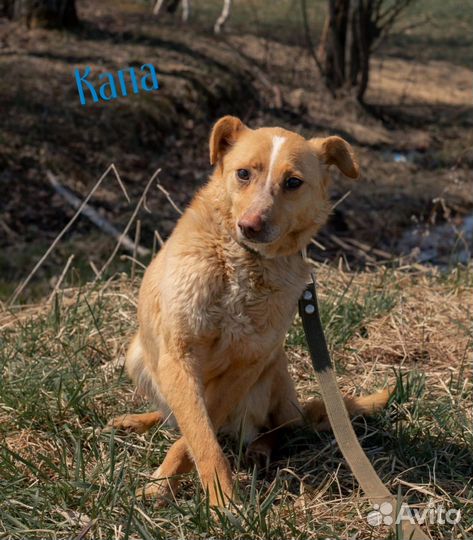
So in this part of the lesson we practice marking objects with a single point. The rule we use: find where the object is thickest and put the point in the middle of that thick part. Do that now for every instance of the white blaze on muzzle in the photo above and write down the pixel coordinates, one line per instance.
(277, 143)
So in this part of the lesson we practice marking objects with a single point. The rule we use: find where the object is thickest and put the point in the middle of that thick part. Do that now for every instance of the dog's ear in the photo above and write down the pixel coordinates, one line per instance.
(224, 133)
(336, 151)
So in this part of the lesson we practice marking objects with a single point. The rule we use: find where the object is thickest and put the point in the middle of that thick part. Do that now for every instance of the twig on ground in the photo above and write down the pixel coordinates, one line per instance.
(367, 249)
(95, 217)
(134, 261)
(21, 286)
(85, 530)
(349, 248)
(318, 244)
(341, 199)
(95, 270)
(9, 231)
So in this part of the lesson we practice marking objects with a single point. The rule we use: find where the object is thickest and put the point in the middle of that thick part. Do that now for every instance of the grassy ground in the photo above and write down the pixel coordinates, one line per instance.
(61, 362)
(62, 379)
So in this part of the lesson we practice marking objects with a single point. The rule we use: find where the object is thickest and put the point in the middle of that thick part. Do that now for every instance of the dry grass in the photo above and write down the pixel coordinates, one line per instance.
(62, 379)
(61, 361)
(400, 81)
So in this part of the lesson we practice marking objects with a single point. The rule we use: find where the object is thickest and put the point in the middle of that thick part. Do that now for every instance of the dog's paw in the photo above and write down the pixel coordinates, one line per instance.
(160, 488)
(136, 423)
(126, 422)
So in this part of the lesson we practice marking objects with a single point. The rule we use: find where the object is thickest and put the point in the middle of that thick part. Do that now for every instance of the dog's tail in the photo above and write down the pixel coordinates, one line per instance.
(315, 413)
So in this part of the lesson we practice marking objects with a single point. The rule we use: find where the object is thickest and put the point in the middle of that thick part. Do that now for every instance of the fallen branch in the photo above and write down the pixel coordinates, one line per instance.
(21, 286)
(318, 244)
(341, 199)
(87, 211)
(368, 249)
(351, 249)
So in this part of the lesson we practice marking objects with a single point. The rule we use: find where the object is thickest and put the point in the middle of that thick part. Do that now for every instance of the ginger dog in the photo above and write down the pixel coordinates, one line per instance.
(216, 303)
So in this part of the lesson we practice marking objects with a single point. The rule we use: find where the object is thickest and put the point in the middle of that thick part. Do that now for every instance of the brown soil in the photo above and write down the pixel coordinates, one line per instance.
(419, 111)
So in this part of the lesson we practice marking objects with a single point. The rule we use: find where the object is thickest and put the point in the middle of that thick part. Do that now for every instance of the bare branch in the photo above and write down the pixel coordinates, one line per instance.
(308, 38)
(95, 217)
(21, 286)
(130, 222)
(169, 198)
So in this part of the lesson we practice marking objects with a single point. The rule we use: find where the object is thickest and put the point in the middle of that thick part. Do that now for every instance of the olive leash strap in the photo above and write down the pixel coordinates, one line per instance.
(360, 465)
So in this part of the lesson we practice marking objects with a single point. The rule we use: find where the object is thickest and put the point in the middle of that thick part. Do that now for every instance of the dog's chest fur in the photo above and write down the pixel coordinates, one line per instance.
(258, 297)
(235, 303)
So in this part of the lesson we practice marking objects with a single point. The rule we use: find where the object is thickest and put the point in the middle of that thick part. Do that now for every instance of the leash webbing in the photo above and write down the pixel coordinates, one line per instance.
(345, 436)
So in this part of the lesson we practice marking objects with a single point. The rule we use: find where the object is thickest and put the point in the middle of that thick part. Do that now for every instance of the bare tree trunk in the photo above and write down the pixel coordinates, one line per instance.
(363, 34)
(365, 41)
(335, 42)
(350, 32)
(185, 10)
(324, 36)
(41, 13)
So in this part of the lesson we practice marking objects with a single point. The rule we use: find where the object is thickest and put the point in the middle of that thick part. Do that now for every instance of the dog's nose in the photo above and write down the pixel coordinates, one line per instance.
(250, 225)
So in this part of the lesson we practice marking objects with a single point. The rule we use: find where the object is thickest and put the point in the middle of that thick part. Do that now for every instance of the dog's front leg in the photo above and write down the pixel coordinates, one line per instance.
(179, 379)
(166, 478)
(222, 394)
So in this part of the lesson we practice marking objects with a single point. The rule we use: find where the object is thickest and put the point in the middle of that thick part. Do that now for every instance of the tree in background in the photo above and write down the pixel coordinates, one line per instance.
(351, 31)
(41, 13)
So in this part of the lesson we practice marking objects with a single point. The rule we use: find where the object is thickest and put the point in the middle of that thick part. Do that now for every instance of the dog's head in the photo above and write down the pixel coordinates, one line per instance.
(276, 183)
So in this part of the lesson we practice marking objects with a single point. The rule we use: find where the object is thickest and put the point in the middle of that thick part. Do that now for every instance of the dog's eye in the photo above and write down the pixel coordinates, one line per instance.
(293, 183)
(243, 175)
